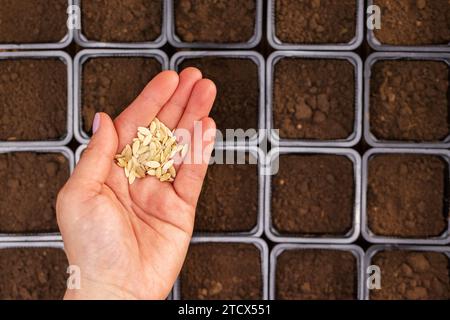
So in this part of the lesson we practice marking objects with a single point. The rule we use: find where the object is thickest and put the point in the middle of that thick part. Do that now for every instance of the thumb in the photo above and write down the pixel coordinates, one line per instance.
(97, 159)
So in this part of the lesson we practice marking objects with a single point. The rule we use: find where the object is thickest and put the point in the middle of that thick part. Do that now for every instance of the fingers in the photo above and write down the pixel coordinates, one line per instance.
(189, 180)
(95, 164)
(171, 113)
(199, 104)
(146, 106)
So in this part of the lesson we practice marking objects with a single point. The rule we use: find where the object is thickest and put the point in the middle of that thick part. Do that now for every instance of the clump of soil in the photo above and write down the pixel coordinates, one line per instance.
(30, 184)
(411, 275)
(218, 271)
(313, 194)
(220, 21)
(414, 22)
(229, 199)
(122, 20)
(32, 274)
(406, 196)
(33, 99)
(315, 21)
(32, 21)
(314, 99)
(237, 81)
(111, 84)
(316, 275)
(409, 100)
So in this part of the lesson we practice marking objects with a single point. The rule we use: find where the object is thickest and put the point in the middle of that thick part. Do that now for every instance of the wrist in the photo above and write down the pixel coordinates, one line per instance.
(95, 291)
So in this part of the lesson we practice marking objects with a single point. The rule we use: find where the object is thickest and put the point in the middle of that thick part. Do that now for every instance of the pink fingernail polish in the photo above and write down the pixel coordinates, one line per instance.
(96, 123)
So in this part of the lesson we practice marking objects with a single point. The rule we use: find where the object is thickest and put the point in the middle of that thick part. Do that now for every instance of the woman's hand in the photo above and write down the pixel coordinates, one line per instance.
(130, 241)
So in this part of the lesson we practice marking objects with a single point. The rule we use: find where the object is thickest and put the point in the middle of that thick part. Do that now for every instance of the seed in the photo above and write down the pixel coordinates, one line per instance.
(147, 140)
(153, 164)
(158, 172)
(172, 172)
(131, 178)
(136, 146)
(165, 177)
(144, 131)
(151, 153)
(168, 165)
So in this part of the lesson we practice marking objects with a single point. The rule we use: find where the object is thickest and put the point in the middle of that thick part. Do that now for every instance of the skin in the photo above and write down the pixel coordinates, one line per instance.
(130, 241)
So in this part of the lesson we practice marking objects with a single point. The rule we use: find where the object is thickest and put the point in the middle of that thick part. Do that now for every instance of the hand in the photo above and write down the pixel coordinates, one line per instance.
(130, 241)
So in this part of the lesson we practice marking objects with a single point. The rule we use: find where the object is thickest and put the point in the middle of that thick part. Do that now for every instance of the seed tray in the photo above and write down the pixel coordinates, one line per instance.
(56, 236)
(357, 252)
(259, 243)
(175, 41)
(352, 235)
(64, 42)
(83, 41)
(373, 250)
(387, 56)
(366, 232)
(354, 59)
(45, 55)
(377, 45)
(280, 45)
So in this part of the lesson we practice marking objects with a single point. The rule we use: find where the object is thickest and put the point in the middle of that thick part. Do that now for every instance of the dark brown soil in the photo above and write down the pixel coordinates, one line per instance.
(216, 271)
(237, 102)
(316, 275)
(414, 22)
(33, 99)
(315, 21)
(32, 21)
(406, 196)
(313, 194)
(229, 199)
(220, 21)
(409, 100)
(409, 275)
(122, 20)
(30, 184)
(32, 274)
(314, 99)
(111, 84)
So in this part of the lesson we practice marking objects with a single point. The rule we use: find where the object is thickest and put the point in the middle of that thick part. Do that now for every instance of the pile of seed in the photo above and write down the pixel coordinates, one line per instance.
(152, 153)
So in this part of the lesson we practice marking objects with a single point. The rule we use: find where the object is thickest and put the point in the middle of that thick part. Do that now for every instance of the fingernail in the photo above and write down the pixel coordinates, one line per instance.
(96, 123)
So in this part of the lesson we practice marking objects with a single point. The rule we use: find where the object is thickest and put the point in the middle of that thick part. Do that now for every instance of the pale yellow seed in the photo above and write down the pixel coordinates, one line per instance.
(122, 163)
(167, 165)
(151, 172)
(140, 172)
(158, 172)
(153, 164)
(141, 137)
(165, 177)
(147, 140)
(136, 146)
(144, 131)
(131, 178)
(152, 127)
(127, 153)
(172, 172)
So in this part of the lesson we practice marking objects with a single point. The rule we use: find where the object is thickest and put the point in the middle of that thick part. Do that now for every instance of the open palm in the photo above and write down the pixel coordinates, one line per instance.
(130, 241)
